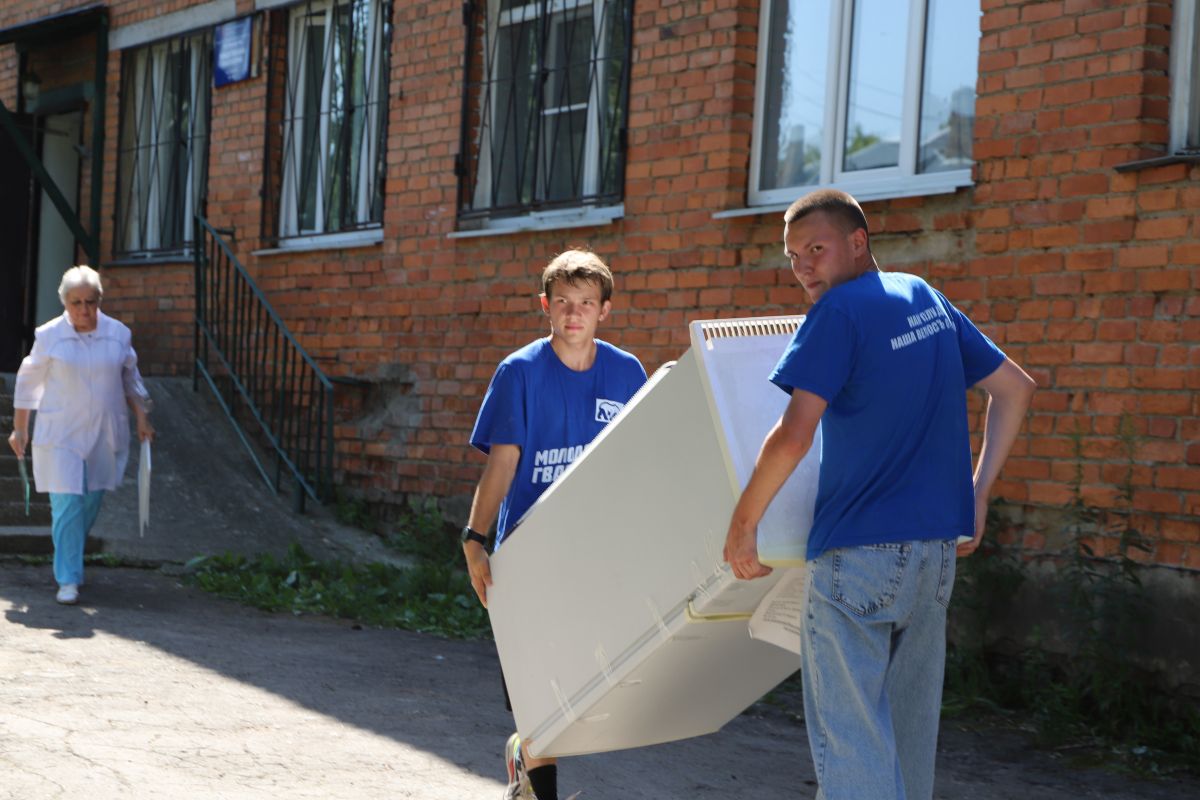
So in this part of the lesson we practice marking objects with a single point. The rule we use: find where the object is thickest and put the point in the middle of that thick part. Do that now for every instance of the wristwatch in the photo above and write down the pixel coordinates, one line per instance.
(469, 535)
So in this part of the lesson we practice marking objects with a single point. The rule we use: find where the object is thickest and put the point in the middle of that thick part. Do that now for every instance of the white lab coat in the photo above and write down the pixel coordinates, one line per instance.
(78, 383)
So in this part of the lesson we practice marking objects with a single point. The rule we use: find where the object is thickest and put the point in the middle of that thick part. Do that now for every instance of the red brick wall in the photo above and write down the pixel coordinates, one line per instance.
(1089, 275)
(1083, 274)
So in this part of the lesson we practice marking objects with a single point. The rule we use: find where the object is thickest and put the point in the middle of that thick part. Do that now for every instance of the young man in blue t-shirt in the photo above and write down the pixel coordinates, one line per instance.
(883, 362)
(546, 402)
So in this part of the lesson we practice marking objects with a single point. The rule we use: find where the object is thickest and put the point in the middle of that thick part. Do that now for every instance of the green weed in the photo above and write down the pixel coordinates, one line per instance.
(429, 597)
(424, 534)
(353, 511)
(1086, 690)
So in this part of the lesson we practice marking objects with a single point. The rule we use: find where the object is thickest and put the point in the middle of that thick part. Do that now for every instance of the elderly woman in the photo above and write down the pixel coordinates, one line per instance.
(79, 376)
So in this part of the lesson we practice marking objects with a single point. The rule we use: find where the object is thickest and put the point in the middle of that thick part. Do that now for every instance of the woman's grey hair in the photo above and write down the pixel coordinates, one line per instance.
(75, 277)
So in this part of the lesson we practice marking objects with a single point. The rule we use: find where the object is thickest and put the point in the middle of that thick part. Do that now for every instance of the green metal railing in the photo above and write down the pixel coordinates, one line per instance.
(265, 370)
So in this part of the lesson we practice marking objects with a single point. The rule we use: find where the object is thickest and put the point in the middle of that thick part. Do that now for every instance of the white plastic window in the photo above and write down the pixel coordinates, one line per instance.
(876, 97)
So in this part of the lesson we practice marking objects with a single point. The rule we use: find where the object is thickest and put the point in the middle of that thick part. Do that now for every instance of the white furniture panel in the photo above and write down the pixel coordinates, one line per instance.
(617, 622)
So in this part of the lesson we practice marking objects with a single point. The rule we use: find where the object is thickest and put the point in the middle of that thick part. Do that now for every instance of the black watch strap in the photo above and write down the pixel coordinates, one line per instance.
(471, 535)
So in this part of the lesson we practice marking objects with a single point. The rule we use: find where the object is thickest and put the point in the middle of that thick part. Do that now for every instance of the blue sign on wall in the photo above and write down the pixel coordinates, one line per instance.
(231, 51)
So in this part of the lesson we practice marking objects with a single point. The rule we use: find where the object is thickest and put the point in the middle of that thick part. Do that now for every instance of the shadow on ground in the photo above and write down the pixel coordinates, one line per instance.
(439, 697)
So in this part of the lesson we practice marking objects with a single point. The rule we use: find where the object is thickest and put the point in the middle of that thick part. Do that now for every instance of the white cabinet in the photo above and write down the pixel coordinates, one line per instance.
(617, 621)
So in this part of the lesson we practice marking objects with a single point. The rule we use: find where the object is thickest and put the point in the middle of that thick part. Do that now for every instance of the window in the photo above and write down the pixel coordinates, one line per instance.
(545, 107)
(335, 117)
(1185, 79)
(873, 96)
(163, 156)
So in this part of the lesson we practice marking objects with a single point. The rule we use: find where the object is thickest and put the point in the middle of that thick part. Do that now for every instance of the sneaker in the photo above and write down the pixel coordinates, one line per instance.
(68, 594)
(519, 787)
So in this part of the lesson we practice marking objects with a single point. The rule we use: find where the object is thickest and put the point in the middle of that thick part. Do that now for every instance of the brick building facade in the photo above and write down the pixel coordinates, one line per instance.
(407, 259)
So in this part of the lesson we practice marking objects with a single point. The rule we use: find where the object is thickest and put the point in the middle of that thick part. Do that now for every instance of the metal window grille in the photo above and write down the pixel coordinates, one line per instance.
(163, 156)
(335, 116)
(545, 106)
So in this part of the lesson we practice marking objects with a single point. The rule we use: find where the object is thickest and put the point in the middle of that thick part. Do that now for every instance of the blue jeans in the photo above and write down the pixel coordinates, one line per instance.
(874, 650)
(71, 518)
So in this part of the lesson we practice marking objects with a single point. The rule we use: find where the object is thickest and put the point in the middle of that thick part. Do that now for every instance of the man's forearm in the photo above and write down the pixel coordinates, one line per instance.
(493, 485)
(783, 448)
(1009, 392)
(484, 508)
(21, 420)
(1002, 424)
(776, 461)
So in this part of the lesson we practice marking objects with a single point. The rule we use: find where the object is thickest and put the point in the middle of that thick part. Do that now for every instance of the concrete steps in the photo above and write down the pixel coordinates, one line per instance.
(16, 540)
(207, 497)
(20, 534)
(12, 506)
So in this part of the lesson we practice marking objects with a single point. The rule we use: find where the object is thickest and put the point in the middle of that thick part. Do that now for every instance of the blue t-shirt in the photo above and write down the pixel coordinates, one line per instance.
(893, 358)
(551, 412)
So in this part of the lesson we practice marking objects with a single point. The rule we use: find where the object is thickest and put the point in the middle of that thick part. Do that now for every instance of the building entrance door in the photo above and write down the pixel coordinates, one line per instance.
(16, 273)
(56, 246)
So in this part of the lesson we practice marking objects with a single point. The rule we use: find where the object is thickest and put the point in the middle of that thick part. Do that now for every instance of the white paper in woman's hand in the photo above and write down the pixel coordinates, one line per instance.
(144, 488)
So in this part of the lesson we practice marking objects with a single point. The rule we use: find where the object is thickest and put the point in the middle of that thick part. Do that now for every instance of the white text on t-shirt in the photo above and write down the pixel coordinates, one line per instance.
(923, 325)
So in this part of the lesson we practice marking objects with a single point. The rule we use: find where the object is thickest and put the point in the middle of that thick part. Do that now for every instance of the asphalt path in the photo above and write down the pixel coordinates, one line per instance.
(152, 689)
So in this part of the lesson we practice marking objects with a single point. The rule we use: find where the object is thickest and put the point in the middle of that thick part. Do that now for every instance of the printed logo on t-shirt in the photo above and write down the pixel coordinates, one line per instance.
(923, 325)
(606, 410)
(550, 463)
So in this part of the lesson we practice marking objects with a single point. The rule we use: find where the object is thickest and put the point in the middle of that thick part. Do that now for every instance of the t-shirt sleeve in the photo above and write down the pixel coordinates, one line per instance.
(626, 374)
(980, 355)
(637, 376)
(820, 356)
(501, 417)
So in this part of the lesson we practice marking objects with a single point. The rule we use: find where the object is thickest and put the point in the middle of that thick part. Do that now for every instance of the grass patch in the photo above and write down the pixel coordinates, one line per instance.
(424, 534)
(353, 512)
(429, 597)
(1085, 695)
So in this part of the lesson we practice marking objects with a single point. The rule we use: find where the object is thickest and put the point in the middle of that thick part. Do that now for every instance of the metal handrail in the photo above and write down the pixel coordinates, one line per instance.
(279, 384)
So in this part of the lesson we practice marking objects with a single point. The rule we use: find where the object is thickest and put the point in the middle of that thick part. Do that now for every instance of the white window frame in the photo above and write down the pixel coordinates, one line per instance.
(550, 219)
(1185, 78)
(902, 180)
(289, 214)
(141, 210)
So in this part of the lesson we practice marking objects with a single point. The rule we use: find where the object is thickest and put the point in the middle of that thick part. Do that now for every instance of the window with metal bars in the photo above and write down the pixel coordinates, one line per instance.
(163, 151)
(334, 117)
(545, 107)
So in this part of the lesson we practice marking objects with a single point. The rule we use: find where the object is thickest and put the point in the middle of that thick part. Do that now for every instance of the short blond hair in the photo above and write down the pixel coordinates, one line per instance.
(578, 266)
(841, 207)
(77, 277)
